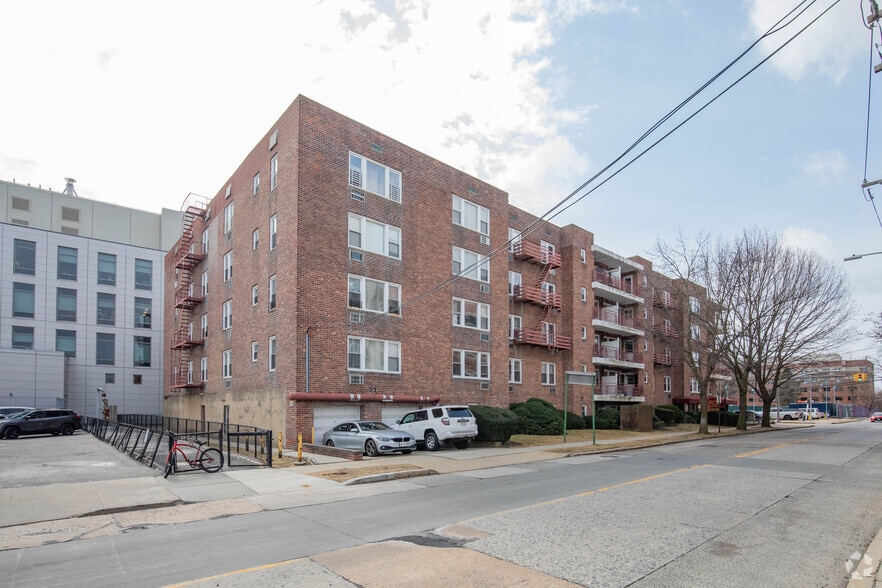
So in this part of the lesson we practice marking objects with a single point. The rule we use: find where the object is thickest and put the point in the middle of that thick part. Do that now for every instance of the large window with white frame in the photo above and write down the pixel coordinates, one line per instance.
(376, 178)
(255, 239)
(273, 232)
(254, 352)
(274, 172)
(227, 364)
(203, 368)
(693, 386)
(515, 323)
(474, 365)
(271, 351)
(514, 280)
(514, 237)
(471, 314)
(227, 315)
(471, 216)
(469, 264)
(228, 265)
(515, 371)
(375, 237)
(203, 325)
(374, 295)
(272, 292)
(205, 283)
(205, 241)
(667, 384)
(228, 217)
(374, 355)
(549, 374)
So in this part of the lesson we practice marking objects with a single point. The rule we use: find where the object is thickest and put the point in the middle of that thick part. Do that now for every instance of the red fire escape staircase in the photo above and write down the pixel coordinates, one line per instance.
(548, 259)
(189, 254)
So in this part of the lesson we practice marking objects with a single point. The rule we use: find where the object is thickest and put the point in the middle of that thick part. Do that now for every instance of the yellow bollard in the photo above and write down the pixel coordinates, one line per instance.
(280, 444)
(299, 447)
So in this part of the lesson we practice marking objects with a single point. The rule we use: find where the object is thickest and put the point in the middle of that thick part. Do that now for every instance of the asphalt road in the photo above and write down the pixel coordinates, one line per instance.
(774, 509)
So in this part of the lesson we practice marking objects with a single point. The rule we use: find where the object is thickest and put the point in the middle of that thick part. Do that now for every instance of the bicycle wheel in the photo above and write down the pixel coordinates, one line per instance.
(170, 462)
(211, 460)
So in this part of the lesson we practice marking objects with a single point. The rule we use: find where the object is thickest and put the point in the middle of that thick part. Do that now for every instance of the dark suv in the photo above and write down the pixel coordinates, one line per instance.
(40, 421)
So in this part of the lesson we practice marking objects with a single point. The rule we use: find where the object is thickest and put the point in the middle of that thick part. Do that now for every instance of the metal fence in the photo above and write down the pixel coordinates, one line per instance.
(148, 438)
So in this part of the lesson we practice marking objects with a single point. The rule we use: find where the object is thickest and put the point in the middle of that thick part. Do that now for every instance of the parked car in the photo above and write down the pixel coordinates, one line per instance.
(812, 414)
(57, 421)
(5, 411)
(876, 416)
(785, 414)
(436, 425)
(372, 437)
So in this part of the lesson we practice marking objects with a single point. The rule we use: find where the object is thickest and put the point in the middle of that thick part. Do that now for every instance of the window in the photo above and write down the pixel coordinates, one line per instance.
(70, 214)
(374, 237)
(374, 295)
(107, 269)
(67, 263)
(23, 300)
(584, 295)
(693, 386)
(66, 341)
(254, 295)
(106, 312)
(227, 315)
(143, 274)
(273, 230)
(645, 377)
(471, 216)
(667, 384)
(228, 217)
(24, 257)
(514, 237)
(272, 293)
(204, 284)
(514, 371)
(203, 325)
(205, 242)
(255, 184)
(190, 372)
(379, 179)
(549, 371)
(143, 313)
(227, 364)
(514, 281)
(584, 333)
(203, 368)
(110, 378)
(514, 325)
(228, 265)
(696, 358)
(696, 332)
(271, 347)
(471, 364)
(374, 355)
(21, 204)
(105, 349)
(22, 337)
(694, 305)
(582, 255)
(274, 172)
(253, 351)
(142, 352)
(66, 305)
(255, 239)
(471, 265)
(472, 315)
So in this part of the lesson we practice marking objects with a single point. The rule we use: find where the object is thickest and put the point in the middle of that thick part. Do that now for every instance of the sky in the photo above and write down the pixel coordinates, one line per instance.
(144, 103)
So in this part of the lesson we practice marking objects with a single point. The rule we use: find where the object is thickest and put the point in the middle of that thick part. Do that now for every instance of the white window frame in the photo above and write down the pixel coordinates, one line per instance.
(203, 326)
(515, 371)
(272, 293)
(471, 216)
(667, 385)
(204, 284)
(228, 217)
(274, 172)
(205, 242)
(514, 279)
(391, 236)
(584, 333)
(548, 376)
(271, 354)
(514, 237)
(255, 239)
(190, 372)
(583, 256)
(391, 294)
(695, 331)
(694, 305)
(481, 363)
(584, 294)
(471, 265)
(228, 265)
(227, 364)
(273, 232)
(254, 295)
(203, 368)
(694, 387)
(357, 348)
(481, 312)
(515, 323)
(227, 315)
(254, 352)
(358, 172)
(255, 184)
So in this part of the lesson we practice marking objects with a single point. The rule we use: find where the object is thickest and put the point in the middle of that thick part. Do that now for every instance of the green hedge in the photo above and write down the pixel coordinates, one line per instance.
(495, 425)
(538, 417)
(666, 415)
(574, 421)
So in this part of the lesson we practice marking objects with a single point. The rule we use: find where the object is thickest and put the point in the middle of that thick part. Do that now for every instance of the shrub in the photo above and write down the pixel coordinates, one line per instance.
(666, 415)
(680, 415)
(494, 424)
(574, 421)
(538, 417)
(612, 415)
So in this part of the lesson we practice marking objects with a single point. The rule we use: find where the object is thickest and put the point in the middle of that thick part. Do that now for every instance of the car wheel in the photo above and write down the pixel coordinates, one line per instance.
(370, 448)
(787, 417)
(432, 442)
(67, 429)
(461, 444)
(329, 443)
(405, 452)
(12, 433)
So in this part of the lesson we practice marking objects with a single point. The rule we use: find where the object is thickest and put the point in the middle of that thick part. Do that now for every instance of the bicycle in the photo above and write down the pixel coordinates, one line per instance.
(207, 459)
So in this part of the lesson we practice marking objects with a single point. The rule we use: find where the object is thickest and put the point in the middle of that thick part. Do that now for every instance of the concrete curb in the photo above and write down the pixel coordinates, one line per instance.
(389, 476)
(866, 572)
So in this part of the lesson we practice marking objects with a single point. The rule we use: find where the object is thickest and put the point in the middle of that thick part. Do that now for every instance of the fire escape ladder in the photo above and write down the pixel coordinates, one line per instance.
(186, 259)
(548, 303)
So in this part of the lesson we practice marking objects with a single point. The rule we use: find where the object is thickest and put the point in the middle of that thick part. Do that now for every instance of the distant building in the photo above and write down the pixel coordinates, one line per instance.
(81, 301)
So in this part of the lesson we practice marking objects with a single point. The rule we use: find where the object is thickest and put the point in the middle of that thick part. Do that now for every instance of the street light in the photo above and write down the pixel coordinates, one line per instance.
(860, 255)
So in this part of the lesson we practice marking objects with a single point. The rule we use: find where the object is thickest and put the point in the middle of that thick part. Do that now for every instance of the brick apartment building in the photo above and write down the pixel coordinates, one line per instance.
(341, 274)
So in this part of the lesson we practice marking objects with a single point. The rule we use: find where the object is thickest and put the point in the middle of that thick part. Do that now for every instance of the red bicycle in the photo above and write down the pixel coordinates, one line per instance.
(195, 455)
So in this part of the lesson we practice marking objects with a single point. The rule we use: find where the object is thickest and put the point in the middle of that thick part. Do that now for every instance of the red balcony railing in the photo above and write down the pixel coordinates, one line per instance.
(535, 252)
(663, 358)
(617, 353)
(612, 316)
(183, 338)
(629, 390)
(619, 284)
(536, 296)
(541, 338)
(665, 301)
(668, 332)
(189, 256)
(184, 299)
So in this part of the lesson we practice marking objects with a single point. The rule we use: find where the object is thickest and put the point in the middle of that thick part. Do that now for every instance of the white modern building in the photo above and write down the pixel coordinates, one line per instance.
(81, 306)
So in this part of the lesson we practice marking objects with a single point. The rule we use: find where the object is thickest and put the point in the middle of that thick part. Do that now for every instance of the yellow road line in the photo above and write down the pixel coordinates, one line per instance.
(236, 572)
(750, 453)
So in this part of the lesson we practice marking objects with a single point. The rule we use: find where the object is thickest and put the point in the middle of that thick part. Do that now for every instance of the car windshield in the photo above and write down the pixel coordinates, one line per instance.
(374, 426)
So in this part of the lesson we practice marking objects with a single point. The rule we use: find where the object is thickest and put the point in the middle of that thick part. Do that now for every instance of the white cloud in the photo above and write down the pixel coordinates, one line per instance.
(807, 239)
(823, 165)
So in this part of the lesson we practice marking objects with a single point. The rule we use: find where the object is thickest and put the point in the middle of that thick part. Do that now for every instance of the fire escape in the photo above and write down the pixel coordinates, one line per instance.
(188, 255)
(543, 334)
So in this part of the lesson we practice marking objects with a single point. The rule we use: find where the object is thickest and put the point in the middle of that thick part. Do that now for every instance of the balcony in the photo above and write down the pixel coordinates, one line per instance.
(667, 333)
(627, 286)
(536, 295)
(189, 385)
(536, 253)
(622, 393)
(610, 321)
(189, 257)
(615, 356)
(663, 301)
(185, 299)
(184, 339)
(541, 338)
(663, 358)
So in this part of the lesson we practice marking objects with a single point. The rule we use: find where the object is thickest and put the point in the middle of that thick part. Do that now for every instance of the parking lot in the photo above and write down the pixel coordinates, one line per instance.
(55, 459)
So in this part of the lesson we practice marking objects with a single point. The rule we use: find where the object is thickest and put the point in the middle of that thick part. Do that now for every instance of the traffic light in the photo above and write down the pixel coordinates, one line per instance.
(859, 377)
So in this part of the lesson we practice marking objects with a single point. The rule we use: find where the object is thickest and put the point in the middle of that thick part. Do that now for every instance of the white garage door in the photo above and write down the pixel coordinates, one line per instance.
(327, 416)
(396, 411)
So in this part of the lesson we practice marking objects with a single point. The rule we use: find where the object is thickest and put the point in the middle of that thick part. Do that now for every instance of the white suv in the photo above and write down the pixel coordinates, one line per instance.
(435, 425)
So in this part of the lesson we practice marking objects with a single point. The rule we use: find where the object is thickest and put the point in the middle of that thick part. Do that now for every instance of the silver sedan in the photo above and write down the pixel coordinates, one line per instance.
(371, 437)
